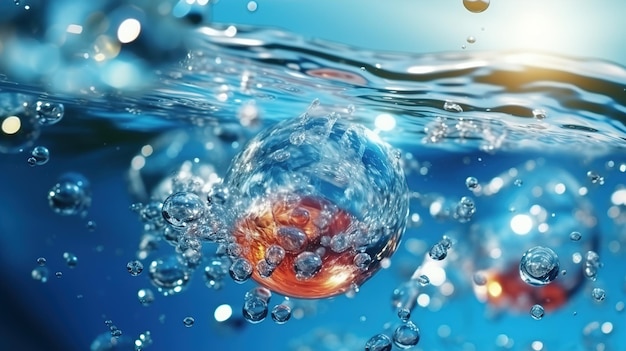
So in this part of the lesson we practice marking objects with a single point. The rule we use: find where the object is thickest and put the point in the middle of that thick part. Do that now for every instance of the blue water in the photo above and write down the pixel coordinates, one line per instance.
(548, 101)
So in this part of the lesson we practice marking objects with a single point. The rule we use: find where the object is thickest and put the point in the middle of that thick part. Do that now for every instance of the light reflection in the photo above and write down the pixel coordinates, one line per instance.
(223, 313)
(11, 125)
(128, 30)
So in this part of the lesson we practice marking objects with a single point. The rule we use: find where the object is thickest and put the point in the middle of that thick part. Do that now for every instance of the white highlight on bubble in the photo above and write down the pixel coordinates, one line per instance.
(223, 313)
(128, 30)
(521, 224)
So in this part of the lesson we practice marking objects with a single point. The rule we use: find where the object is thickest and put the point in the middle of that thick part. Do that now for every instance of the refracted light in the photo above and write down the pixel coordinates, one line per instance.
(521, 224)
(494, 289)
(128, 30)
(11, 125)
(74, 29)
(223, 313)
(385, 122)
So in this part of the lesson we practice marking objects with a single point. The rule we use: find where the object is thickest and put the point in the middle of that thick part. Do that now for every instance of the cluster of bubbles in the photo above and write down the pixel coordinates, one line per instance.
(255, 307)
(115, 331)
(404, 337)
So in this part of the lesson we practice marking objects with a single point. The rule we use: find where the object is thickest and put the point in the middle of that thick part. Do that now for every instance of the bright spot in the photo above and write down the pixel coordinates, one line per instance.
(577, 257)
(385, 122)
(128, 30)
(74, 29)
(543, 227)
(607, 327)
(11, 125)
(494, 289)
(536, 345)
(146, 150)
(385, 263)
(447, 289)
(521, 224)
(559, 189)
(223, 312)
(495, 253)
(423, 300)
(231, 31)
(435, 208)
(582, 191)
(619, 197)
(436, 274)
(495, 185)
(137, 162)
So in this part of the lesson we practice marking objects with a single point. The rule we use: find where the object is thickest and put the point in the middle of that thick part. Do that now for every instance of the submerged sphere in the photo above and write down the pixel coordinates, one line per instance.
(71, 195)
(539, 266)
(315, 214)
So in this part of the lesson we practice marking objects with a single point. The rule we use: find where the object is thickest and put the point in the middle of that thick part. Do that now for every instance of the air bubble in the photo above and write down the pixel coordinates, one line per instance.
(406, 336)
(71, 195)
(465, 209)
(40, 274)
(480, 279)
(39, 156)
(404, 314)
(539, 114)
(598, 294)
(537, 312)
(281, 313)
(274, 255)
(423, 280)
(134, 267)
(255, 305)
(362, 260)
(575, 236)
(476, 6)
(471, 183)
(438, 252)
(168, 275)
(240, 270)
(70, 259)
(58, 274)
(291, 239)
(379, 342)
(216, 270)
(252, 6)
(188, 322)
(48, 113)
(145, 297)
(471, 39)
(144, 340)
(41, 261)
(91, 226)
(307, 264)
(591, 265)
(182, 208)
(18, 126)
(539, 266)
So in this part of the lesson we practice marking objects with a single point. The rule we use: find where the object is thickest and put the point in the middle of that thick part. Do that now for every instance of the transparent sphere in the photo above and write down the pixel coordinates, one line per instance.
(539, 266)
(48, 113)
(334, 198)
(182, 208)
(71, 195)
(378, 342)
(406, 336)
(169, 275)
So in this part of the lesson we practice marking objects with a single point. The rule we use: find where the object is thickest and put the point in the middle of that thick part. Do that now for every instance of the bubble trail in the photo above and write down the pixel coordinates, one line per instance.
(539, 266)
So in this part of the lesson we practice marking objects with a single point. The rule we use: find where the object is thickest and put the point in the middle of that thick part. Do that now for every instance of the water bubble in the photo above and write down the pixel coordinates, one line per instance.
(340, 243)
(291, 239)
(240, 270)
(539, 114)
(595, 178)
(539, 266)
(307, 264)
(91, 226)
(471, 183)
(362, 260)
(134, 267)
(255, 309)
(216, 270)
(58, 274)
(70, 259)
(41, 261)
(188, 322)
(537, 312)
(40, 274)
(71, 195)
(471, 39)
(39, 156)
(480, 279)
(404, 314)
(598, 294)
(168, 275)
(281, 313)
(274, 255)
(476, 6)
(182, 208)
(423, 280)
(518, 182)
(438, 251)
(145, 296)
(591, 265)
(465, 209)
(252, 6)
(379, 342)
(48, 113)
(144, 340)
(452, 107)
(406, 335)
(575, 236)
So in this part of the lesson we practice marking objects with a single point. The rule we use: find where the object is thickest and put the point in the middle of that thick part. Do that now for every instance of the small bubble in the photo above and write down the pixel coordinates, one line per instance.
(362, 260)
(595, 178)
(471, 39)
(406, 336)
(575, 236)
(465, 209)
(255, 309)
(182, 208)
(41, 261)
(518, 182)
(480, 279)
(591, 265)
(281, 313)
(423, 280)
(452, 107)
(240, 270)
(48, 113)
(40, 274)
(169, 275)
(188, 322)
(476, 6)
(598, 294)
(134, 267)
(404, 314)
(471, 183)
(58, 274)
(297, 138)
(537, 312)
(91, 226)
(70, 259)
(307, 264)
(71, 195)
(145, 297)
(274, 255)
(438, 252)
(539, 114)
(116, 333)
(252, 6)
(144, 340)
(539, 266)
(379, 342)
(39, 156)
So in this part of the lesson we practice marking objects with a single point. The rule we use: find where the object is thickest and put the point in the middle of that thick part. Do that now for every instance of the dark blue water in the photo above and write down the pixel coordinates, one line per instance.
(542, 133)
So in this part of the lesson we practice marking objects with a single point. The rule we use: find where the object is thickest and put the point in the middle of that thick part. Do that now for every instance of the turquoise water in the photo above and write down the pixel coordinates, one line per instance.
(538, 123)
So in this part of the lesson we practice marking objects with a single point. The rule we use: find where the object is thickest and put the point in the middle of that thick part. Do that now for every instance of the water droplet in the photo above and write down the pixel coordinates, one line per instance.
(39, 156)
(404, 314)
(438, 251)
(471, 39)
(48, 113)
(452, 107)
(575, 236)
(480, 279)
(406, 336)
(471, 183)
(465, 209)
(476, 6)
(41, 261)
(281, 313)
(71, 195)
(291, 239)
(537, 312)
(134, 267)
(252, 6)
(539, 266)
(423, 280)
(379, 342)
(168, 275)
(70, 259)
(274, 255)
(265, 269)
(362, 260)
(240, 270)
(598, 294)
(182, 208)
(40, 274)
(188, 322)
(255, 309)
(307, 264)
(145, 296)
(539, 114)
